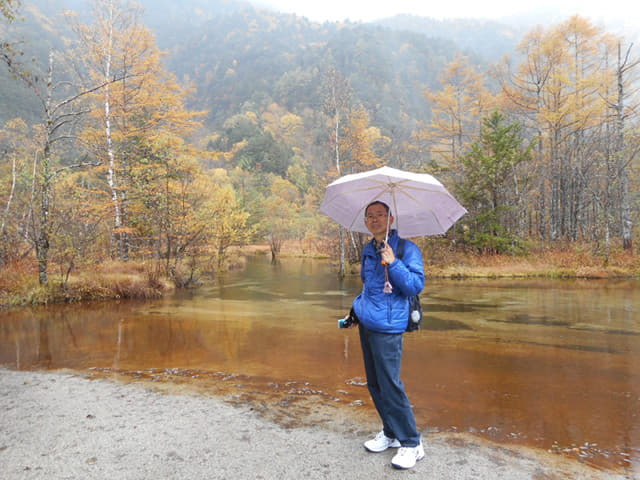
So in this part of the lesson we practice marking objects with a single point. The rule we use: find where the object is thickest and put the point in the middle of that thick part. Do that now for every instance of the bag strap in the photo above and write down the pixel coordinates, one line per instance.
(362, 264)
(400, 248)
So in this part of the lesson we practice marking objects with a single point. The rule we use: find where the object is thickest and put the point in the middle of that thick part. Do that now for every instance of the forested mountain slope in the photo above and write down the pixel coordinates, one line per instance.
(237, 56)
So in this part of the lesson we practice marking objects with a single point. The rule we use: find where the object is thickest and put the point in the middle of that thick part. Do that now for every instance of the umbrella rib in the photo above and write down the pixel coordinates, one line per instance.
(395, 192)
(367, 203)
(433, 215)
(355, 190)
(391, 187)
(422, 188)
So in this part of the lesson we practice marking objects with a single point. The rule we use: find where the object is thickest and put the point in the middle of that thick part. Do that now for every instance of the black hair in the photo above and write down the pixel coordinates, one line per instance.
(377, 202)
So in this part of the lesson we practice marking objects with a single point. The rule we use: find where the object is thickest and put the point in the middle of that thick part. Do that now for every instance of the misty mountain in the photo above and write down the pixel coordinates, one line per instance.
(239, 57)
(282, 59)
(489, 39)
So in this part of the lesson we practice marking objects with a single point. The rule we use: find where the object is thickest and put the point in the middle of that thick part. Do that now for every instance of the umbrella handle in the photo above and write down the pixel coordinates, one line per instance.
(386, 236)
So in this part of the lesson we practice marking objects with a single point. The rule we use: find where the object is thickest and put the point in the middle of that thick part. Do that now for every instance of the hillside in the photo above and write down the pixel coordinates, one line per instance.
(240, 57)
(257, 58)
(485, 38)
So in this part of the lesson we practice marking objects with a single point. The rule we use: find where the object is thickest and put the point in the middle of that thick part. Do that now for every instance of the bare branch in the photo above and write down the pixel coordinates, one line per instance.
(88, 91)
(95, 163)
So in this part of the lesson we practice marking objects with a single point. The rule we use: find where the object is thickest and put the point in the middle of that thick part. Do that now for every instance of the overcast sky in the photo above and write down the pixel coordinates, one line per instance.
(607, 11)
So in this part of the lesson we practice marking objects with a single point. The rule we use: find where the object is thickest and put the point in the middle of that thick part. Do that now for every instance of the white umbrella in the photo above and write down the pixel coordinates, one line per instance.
(419, 203)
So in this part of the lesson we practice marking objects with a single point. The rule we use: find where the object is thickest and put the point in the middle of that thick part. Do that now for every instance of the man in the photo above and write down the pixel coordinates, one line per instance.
(382, 310)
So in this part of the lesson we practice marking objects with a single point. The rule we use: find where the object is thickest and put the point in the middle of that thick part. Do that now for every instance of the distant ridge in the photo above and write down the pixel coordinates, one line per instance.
(487, 38)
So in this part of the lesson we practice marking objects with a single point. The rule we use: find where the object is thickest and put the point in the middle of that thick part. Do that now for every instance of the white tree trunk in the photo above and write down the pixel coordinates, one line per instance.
(623, 170)
(7, 208)
(111, 172)
(341, 271)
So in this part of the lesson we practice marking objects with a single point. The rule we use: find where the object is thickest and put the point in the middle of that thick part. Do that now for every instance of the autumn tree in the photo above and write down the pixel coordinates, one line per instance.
(170, 206)
(359, 143)
(128, 116)
(292, 128)
(522, 95)
(564, 93)
(301, 174)
(228, 220)
(457, 111)
(279, 217)
(62, 109)
(81, 231)
(577, 110)
(18, 147)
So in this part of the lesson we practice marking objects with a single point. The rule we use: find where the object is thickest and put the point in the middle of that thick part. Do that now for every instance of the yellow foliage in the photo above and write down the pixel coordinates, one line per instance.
(458, 110)
(359, 143)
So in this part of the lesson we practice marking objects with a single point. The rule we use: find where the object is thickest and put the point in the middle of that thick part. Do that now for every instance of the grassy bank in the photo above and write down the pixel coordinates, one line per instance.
(143, 280)
(567, 261)
(573, 261)
(112, 280)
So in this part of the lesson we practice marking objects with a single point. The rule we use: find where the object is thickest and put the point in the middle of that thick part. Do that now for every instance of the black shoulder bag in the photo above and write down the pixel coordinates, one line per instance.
(415, 308)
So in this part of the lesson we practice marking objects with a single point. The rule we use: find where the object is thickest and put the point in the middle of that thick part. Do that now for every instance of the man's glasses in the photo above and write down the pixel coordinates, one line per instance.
(378, 216)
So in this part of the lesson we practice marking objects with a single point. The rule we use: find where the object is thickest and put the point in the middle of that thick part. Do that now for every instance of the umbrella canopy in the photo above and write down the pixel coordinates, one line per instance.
(419, 203)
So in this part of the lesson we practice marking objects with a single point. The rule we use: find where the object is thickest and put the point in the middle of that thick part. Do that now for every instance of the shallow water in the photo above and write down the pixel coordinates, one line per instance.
(549, 364)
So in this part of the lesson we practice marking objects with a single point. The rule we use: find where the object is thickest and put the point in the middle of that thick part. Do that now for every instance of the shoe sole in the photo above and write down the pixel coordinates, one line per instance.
(398, 467)
(393, 445)
(380, 451)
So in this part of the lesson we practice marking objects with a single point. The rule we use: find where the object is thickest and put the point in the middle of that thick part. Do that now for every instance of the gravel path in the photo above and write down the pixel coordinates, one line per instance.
(64, 426)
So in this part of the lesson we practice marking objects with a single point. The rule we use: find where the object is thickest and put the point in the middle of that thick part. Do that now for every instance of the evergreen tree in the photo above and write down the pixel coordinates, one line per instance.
(492, 184)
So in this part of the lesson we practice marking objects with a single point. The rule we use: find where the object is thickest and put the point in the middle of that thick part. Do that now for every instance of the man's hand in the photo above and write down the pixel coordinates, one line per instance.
(388, 257)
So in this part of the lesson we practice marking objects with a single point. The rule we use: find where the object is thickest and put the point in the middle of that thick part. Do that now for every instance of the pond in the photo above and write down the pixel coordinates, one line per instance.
(545, 363)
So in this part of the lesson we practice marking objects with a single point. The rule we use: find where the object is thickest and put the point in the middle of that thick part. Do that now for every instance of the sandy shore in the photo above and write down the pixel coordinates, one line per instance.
(65, 426)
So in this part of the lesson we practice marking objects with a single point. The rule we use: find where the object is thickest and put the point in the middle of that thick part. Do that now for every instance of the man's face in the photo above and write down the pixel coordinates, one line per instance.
(376, 219)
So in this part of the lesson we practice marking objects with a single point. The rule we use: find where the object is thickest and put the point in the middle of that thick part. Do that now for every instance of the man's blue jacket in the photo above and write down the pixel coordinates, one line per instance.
(388, 312)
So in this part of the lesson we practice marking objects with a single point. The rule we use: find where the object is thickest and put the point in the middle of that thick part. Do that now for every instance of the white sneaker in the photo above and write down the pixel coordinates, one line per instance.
(408, 456)
(380, 443)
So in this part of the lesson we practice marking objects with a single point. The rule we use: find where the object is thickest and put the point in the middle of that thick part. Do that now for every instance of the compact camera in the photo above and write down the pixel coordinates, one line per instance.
(349, 320)
(345, 322)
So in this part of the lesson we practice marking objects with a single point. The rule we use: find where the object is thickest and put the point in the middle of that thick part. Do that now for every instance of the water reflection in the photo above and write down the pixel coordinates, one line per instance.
(544, 363)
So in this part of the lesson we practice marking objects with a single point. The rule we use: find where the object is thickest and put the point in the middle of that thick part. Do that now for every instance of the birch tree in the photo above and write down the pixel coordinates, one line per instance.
(145, 105)
(100, 41)
(61, 102)
(624, 152)
(337, 98)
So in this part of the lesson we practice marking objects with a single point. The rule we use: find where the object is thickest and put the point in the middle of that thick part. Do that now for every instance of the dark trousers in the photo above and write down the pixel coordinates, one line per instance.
(382, 354)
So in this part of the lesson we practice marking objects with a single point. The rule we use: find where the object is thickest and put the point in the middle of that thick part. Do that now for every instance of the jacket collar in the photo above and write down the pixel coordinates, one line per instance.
(393, 241)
